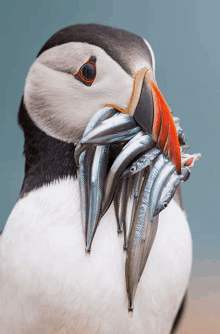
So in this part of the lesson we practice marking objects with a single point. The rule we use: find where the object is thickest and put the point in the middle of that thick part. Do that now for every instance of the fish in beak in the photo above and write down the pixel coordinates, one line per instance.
(146, 171)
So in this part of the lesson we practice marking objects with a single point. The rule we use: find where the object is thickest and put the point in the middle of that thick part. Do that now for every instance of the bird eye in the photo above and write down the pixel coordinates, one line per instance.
(87, 72)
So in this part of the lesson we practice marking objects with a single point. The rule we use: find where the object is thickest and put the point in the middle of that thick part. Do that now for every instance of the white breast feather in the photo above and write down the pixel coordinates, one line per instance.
(52, 286)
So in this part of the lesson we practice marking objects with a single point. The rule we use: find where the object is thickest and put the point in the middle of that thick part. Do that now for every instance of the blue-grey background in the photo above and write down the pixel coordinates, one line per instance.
(185, 38)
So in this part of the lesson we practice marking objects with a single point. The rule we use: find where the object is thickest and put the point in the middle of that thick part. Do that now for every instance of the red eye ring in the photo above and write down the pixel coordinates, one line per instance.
(87, 72)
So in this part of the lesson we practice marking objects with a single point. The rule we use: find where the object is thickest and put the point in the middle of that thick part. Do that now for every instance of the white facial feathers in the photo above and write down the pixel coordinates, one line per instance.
(62, 106)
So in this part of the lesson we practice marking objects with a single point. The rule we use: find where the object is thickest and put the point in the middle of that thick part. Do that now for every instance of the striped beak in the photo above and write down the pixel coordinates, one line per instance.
(150, 110)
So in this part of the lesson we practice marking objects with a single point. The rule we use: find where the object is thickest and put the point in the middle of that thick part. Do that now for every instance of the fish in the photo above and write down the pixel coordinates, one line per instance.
(185, 174)
(152, 223)
(170, 188)
(113, 137)
(167, 193)
(124, 196)
(98, 174)
(85, 165)
(129, 152)
(142, 162)
(179, 130)
(117, 206)
(138, 178)
(85, 160)
(134, 139)
(142, 233)
(173, 182)
(159, 184)
(140, 173)
(121, 199)
(101, 115)
(116, 124)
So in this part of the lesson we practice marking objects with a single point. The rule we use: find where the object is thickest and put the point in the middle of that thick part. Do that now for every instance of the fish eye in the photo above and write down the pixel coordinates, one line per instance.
(165, 204)
(132, 169)
(87, 72)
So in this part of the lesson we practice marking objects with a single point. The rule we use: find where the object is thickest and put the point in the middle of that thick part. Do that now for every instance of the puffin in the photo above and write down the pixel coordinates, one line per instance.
(48, 282)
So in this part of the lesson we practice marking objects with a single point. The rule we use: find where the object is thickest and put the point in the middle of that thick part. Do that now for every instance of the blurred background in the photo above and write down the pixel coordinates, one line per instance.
(185, 38)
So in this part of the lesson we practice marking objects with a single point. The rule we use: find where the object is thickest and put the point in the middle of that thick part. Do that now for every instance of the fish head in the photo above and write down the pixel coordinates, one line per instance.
(167, 194)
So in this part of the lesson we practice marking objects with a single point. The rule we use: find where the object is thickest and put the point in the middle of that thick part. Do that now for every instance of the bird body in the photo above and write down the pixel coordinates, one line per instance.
(48, 282)
(52, 286)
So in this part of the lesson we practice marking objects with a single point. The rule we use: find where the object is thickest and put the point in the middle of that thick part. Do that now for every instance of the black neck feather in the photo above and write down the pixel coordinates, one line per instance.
(46, 158)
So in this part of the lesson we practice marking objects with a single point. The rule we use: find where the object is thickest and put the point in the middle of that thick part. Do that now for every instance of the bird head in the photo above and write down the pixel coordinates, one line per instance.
(83, 68)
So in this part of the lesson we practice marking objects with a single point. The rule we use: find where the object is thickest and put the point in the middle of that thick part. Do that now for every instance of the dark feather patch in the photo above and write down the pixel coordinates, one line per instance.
(124, 47)
(46, 158)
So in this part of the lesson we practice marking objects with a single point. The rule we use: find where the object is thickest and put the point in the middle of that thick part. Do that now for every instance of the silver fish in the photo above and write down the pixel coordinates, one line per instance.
(129, 152)
(98, 174)
(179, 130)
(141, 234)
(117, 206)
(185, 174)
(112, 137)
(85, 161)
(142, 162)
(116, 124)
(149, 182)
(85, 165)
(159, 184)
(137, 137)
(100, 116)
(138, 178)
(152, 223)
(170, 188)
(117, 194)
(123, 208)
(78, 151)
(167, 193)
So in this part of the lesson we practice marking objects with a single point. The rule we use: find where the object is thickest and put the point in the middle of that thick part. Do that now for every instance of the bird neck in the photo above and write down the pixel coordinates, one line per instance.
(46, 158)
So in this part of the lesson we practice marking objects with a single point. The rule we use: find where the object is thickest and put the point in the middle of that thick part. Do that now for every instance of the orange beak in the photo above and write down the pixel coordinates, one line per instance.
(150, 110)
